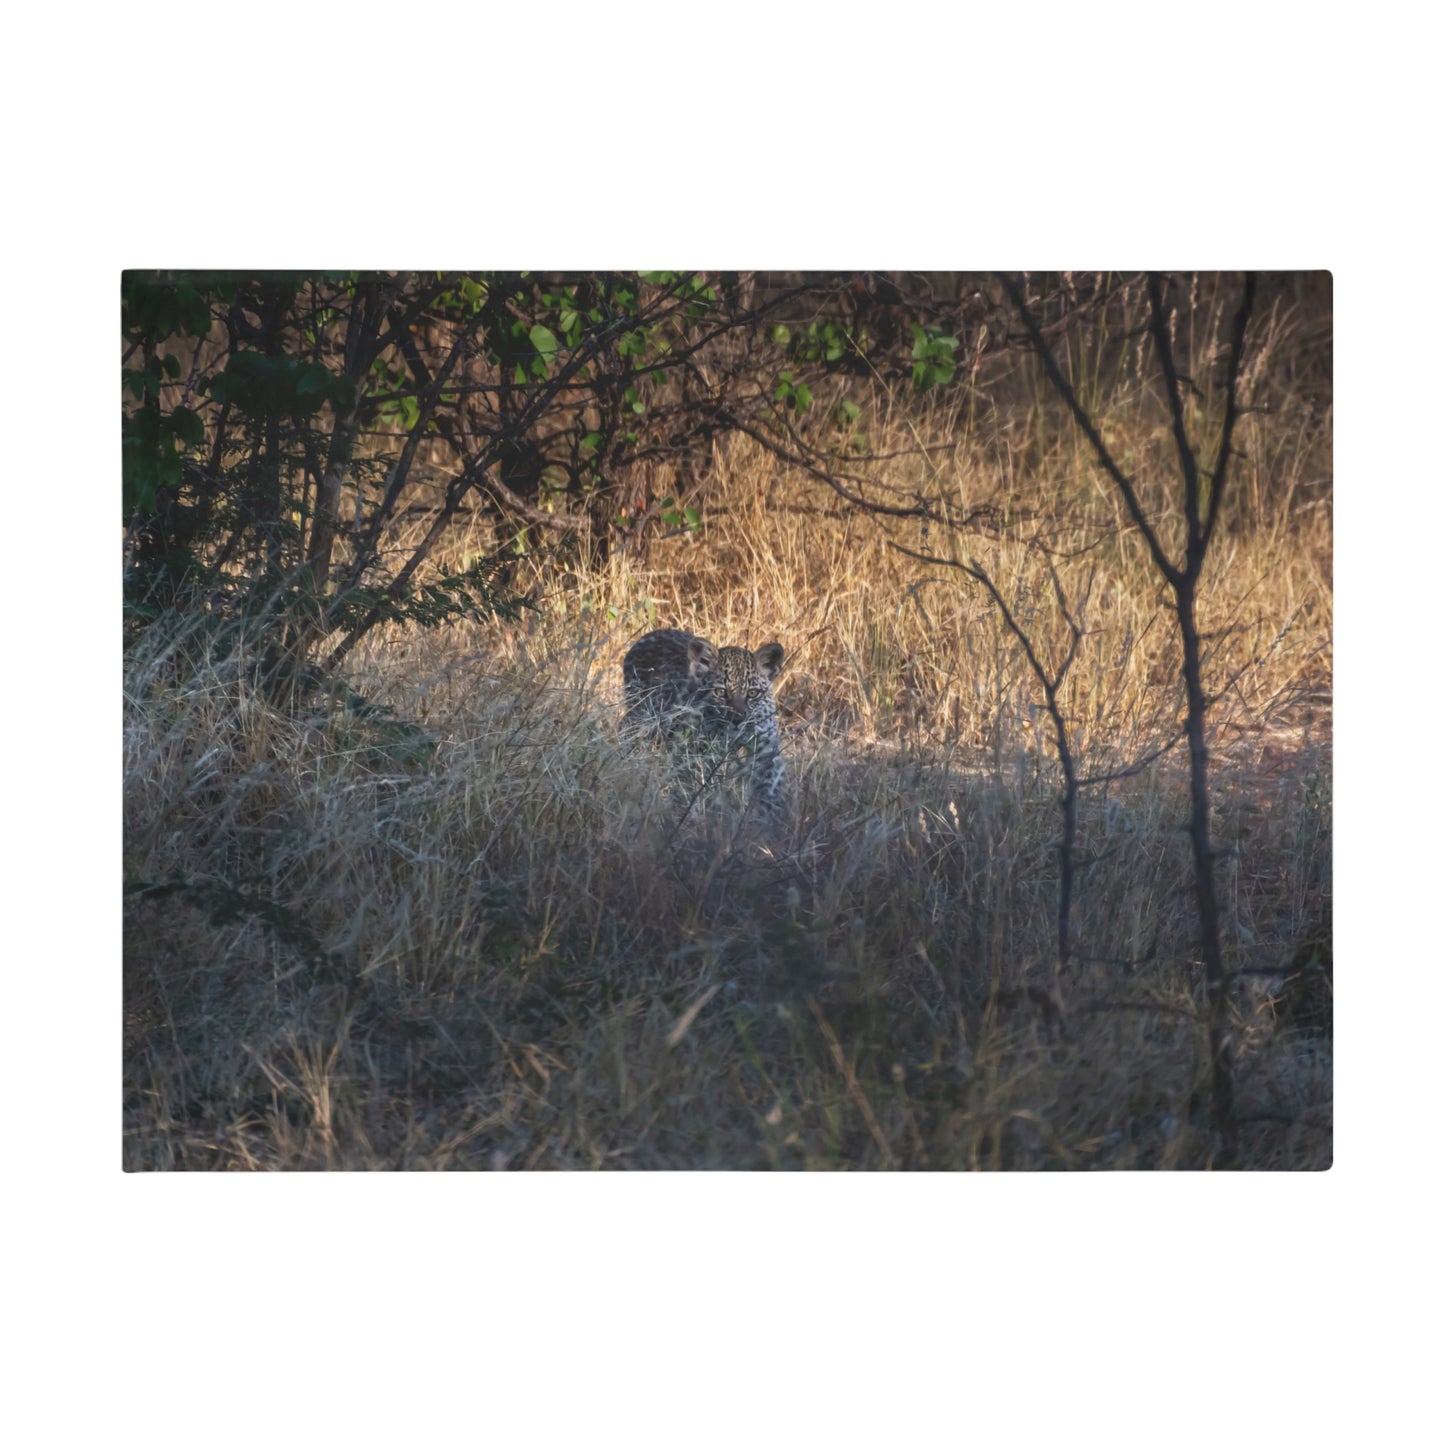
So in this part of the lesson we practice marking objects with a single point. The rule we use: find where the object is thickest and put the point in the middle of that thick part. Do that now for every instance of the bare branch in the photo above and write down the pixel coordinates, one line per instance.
(919, 509)
(1188, 466)
(1231, 405)
(1061, 385)
(1051, 684)
(1135, 768)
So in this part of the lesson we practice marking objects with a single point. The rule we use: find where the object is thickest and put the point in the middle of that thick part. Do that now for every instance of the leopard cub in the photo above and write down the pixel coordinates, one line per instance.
(680, 687)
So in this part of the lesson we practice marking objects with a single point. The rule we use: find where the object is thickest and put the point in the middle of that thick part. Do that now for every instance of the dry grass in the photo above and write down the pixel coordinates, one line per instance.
(478, 931)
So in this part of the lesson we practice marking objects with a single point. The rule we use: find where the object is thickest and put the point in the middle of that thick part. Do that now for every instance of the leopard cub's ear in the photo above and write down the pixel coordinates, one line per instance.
(700, 658)
(769, 658)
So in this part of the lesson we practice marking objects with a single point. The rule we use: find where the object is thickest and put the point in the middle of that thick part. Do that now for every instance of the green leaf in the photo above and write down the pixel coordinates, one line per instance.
(192, 312)
(544, 341)
(187, 426)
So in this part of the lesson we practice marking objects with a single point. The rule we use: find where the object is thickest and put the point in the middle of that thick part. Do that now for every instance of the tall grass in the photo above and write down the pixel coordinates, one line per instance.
(469, 926)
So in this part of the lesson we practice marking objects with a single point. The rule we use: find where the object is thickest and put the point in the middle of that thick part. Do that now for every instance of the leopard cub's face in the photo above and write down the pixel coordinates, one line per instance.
(739, 682)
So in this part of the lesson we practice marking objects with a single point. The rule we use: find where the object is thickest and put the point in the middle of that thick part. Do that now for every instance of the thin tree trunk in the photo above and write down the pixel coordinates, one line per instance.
(1221, 1044)
(328, 497)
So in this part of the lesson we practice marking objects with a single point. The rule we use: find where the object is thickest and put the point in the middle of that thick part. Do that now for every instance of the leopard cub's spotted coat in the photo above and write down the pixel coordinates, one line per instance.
(679, 686)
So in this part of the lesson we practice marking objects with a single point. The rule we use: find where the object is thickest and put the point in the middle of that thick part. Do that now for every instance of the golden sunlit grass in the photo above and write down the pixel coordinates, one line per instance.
(475, 928)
